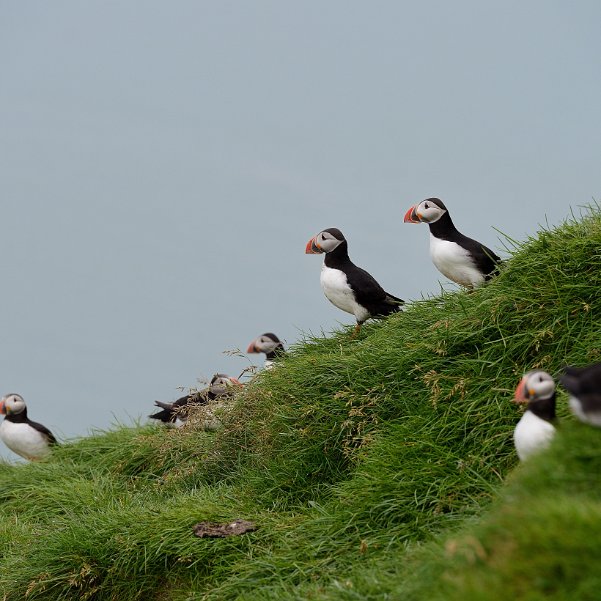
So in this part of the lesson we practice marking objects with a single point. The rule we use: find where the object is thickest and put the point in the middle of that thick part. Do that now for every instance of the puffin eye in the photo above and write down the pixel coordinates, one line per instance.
(426, 206)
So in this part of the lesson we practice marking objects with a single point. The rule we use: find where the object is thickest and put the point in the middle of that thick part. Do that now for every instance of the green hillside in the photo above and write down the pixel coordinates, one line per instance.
(376, 467)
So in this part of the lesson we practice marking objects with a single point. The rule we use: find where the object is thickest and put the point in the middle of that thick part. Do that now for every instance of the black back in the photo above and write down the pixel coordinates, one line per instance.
(368, 293)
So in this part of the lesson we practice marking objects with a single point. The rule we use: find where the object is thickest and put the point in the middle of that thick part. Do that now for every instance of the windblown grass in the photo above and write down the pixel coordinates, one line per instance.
(370, 465)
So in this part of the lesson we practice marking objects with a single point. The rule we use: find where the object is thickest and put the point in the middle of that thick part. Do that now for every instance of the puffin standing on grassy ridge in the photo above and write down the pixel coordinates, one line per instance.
(176, 413)
(347, 286)
(270, 345)
(22, 436)
(461, 259)
(584, 386)
(535, 430)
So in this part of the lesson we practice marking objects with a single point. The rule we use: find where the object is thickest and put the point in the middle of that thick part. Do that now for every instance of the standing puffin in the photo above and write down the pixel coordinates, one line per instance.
(22, 436)
(177, 412)
(347, 286)
(459, 258)
(535, 430)
(584, 386)
(269, 344)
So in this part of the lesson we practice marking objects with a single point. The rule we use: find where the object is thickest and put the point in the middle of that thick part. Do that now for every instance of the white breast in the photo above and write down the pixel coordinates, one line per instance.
(337, 290)
(454, 262)
(24, 440)
(532, 434)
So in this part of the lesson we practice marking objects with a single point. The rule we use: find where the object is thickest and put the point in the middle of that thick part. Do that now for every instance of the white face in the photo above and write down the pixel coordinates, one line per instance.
(13, 403)
(220, 383)
(539, 385)
(327, 242)
(429, 212)
(265, 344)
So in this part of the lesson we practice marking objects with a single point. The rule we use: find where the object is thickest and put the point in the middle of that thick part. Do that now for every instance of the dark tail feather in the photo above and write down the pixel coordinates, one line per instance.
(165, 416)
(394, 300)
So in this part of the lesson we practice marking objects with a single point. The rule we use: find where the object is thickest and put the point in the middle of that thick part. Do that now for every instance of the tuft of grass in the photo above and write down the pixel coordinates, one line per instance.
(375, 467)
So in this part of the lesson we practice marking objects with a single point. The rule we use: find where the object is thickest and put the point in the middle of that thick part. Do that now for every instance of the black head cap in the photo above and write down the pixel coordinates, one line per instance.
(437, 202)
(335, 232)
(271, 336)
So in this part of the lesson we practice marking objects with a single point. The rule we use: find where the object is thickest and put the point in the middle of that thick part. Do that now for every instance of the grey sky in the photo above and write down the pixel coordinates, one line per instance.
(163, 165)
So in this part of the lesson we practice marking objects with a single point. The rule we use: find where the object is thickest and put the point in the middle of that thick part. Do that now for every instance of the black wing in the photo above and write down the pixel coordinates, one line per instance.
(370, 294)
(167, 415)
(486, 260)
(171, 411)
(45, 432)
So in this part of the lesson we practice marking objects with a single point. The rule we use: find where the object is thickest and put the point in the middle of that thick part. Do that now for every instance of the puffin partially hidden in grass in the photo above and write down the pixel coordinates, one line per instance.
(535, 430)
(347, 286)
(221, 386)
(22, 436)
(584, 386)
(270, 345)
(461, 259)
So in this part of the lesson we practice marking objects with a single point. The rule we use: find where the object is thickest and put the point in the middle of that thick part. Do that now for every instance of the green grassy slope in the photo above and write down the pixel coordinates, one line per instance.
(377, 467)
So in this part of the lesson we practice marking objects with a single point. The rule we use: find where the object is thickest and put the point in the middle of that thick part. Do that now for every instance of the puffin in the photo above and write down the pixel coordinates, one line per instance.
(28, 439)
(461, 259)
(584, 386)
(269, 344)
(535, 429)
(347, 286)
(176, 413)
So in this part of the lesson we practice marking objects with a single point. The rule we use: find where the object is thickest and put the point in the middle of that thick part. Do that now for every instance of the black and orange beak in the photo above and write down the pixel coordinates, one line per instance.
(411, 216)
(312, 247)
(236, 381)
(521, 392)
(252, 348)
(2, 408)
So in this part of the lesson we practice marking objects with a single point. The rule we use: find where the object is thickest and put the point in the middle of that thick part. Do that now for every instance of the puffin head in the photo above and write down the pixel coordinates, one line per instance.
(11, 404)
(265, 343)
(427, 211)
(325, 242)
(535, 385)
(221, 383)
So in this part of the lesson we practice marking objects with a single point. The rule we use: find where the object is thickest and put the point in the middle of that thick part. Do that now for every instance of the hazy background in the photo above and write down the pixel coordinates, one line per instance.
(163, 164)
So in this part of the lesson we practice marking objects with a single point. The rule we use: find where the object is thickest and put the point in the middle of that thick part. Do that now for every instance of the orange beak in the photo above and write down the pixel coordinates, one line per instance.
(521, 392)
(236, 381)
(312, 247)
(252, 348)
(2, 409)
(411, 215)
